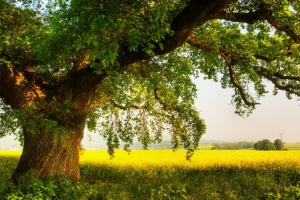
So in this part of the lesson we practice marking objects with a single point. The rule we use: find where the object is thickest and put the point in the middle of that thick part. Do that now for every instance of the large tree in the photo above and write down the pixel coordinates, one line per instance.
(124, 68)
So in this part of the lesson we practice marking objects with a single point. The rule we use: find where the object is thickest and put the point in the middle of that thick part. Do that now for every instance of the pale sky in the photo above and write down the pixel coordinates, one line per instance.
(275, 114)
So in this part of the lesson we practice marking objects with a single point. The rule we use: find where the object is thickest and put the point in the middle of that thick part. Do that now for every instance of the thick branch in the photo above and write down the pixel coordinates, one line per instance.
(196, 13)
(263, 13)
(262, 57)
(139, 107)
(237, 85)
(273, 78)
(295, 78)
(286, 29)
(249, 18)
(15, 89)
(223, 52)
(200, 44)
(79, 85)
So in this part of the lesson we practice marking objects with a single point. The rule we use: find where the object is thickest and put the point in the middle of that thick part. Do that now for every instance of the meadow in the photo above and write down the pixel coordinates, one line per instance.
(292, 146)
(164, 174)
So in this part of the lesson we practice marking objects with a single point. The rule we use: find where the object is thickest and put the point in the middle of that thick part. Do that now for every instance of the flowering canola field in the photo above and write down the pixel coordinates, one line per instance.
(201, 159)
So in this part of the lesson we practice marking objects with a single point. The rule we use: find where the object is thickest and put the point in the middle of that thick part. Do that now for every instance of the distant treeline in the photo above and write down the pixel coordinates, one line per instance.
(225, 145)
(234, 145)
(162, 145)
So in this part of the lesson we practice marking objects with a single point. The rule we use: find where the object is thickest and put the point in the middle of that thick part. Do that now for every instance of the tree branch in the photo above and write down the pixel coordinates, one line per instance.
(263, 13)
(273, 78)
(165, 105)
(236, 84)
(295, 78)
(129, 106)
(15, 89)
(249, 18)
(223, 52)
(197, 13)
(286, 29)
(262, 57)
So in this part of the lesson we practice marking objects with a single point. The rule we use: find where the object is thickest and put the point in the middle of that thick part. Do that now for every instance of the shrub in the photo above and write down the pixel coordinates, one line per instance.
(169, 192)
(264, 144)
(58, 187)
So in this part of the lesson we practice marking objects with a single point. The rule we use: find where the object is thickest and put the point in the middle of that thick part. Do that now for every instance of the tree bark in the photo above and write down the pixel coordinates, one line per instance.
(48, 156)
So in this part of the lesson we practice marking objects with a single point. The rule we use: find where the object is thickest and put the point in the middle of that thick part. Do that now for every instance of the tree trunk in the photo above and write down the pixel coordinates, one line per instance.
(49, 156)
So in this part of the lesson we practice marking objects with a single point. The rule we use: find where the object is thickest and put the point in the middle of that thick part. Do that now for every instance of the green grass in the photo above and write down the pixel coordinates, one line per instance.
(292, 146)
(212, 183)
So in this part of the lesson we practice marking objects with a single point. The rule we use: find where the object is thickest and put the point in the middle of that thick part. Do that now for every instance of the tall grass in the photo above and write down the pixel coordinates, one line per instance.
(163, 174)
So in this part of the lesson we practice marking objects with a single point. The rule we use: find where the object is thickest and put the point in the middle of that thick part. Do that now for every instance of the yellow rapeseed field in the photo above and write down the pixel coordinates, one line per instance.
(201, 159)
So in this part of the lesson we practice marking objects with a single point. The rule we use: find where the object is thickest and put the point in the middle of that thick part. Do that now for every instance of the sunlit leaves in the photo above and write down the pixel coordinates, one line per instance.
(111, 25)
(19, 29)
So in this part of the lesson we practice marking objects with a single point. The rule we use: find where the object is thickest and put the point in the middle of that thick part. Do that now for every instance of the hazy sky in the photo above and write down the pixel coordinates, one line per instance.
(275, 114)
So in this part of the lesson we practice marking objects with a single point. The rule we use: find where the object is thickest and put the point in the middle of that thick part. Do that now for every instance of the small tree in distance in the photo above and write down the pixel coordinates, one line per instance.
(264, 144)
(278, 144)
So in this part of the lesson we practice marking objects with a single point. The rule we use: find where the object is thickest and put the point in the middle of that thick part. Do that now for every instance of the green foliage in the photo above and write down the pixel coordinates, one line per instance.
(248, 41)
(8, 122)
(278, 144)
(109, 24)
(56, 188)
(166, 106)
(169, 193)
(32, 121)
(264, 144)
(289, 192)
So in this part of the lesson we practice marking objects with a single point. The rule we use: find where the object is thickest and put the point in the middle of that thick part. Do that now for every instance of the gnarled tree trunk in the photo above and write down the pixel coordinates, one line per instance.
(49, 156)
(65, 103)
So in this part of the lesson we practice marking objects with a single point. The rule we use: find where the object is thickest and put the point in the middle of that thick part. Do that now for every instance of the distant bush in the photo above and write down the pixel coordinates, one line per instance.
(278, 144)
(264, 144)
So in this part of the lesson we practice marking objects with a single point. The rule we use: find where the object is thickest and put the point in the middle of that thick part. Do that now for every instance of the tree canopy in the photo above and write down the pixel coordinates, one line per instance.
(264, 144)
(125, 68)
(278, 144)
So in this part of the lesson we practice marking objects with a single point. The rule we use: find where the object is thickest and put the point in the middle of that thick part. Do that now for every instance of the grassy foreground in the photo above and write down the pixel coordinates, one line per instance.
(163, 174)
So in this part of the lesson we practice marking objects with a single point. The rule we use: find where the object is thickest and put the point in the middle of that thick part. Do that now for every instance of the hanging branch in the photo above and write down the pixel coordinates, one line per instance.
(224, 53)
(273, 77)
(139, 107)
